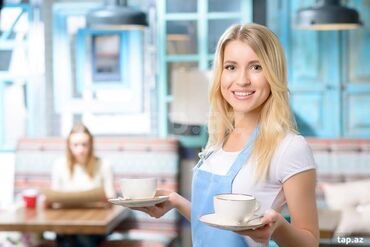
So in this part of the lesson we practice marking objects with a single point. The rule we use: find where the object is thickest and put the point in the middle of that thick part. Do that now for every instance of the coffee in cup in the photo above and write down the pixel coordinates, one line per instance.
(138, 188)
(235, 208)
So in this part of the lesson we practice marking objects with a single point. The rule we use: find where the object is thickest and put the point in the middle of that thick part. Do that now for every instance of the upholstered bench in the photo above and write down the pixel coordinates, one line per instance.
(339, 162)
(129, 157)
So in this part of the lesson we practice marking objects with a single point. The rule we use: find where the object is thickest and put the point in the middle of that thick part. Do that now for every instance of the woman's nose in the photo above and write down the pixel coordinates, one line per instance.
(243, 80)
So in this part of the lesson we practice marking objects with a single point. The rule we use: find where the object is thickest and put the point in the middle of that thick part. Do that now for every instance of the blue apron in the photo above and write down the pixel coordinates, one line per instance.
(205, 186)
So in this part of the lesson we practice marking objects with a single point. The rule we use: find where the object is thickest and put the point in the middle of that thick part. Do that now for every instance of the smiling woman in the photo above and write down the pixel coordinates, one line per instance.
(253, 149)
(243, 83)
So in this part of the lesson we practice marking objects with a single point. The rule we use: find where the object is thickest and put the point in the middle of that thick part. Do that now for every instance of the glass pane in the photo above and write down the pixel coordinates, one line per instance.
(181, 37)
(178, 6)
(210, 64)
(215, 30)
(189, 105)
(14, 20)
(172, 67)
(5, 56)
(106, 58)
(14, 124)
(223, 6)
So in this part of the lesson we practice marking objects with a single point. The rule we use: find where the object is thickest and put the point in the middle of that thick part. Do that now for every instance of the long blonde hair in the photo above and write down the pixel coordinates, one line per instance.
(91, 161)
(276, 117)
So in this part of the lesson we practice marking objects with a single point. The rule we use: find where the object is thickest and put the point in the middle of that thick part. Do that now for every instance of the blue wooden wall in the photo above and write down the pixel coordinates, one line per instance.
(329, 72)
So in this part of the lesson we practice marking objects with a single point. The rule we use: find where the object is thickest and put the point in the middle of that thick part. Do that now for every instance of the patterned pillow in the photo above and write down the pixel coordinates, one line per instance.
(347, 195)
(353, 222)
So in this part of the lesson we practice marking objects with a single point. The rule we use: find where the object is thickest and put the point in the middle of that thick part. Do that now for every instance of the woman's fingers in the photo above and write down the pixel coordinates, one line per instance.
(151, 211)
(270, 216)
(260, 234)
(263, 234)
(142, 209)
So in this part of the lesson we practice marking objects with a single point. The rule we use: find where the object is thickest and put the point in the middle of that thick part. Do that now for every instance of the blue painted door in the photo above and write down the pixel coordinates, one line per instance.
(328, 72)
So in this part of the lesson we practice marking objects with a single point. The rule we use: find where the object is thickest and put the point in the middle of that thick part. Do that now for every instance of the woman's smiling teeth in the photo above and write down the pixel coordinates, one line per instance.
(243, 94)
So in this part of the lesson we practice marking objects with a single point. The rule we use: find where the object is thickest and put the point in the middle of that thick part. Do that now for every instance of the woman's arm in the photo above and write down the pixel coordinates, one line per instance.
(175, 201)
(181, 204)
(299, 191)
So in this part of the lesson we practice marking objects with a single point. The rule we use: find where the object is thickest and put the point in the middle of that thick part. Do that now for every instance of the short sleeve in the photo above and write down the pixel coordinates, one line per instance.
(108, 180)
(56, 174)
(296, 157)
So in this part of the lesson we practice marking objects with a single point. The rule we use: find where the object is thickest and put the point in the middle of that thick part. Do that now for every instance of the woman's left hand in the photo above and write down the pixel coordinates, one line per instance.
(270, 221)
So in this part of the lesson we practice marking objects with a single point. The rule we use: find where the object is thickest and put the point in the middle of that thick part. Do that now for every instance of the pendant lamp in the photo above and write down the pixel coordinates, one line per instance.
(115, 14)
(327, 15)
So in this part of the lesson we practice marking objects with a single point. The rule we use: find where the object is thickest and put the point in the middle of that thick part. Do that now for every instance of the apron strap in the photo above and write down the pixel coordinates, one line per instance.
(243, 155)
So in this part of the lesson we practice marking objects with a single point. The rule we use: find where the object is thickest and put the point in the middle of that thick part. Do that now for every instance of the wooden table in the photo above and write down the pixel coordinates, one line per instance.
(67, 221)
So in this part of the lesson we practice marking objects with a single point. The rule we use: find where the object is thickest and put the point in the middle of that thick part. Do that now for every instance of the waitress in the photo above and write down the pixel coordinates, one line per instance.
(253, 148)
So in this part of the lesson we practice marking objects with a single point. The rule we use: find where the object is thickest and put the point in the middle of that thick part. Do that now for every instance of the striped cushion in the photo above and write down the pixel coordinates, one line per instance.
(340, 160)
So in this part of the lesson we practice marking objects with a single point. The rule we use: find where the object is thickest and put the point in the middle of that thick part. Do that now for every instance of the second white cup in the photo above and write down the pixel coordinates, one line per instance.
(235, 208)
(138, 188)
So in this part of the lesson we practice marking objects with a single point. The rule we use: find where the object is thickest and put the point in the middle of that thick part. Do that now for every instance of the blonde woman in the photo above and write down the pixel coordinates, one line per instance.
(81, 171)
(253, 147)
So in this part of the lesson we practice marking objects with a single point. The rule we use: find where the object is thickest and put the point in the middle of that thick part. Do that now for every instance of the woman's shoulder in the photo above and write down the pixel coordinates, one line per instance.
(293, 146)
(293, 140)
(103, 164)
(294, 155)
(59, 165)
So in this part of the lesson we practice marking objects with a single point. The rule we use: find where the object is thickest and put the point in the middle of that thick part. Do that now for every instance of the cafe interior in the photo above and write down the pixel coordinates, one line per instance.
(137, 74)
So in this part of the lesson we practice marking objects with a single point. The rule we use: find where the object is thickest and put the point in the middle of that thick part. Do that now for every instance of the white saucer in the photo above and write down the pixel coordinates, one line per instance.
(145, 202)
(215, 221)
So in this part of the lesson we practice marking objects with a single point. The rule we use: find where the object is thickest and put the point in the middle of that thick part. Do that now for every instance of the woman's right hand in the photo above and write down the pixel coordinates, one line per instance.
(160, 209)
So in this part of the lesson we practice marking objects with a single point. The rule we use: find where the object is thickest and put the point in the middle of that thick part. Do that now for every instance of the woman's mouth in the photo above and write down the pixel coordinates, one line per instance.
(243, 94)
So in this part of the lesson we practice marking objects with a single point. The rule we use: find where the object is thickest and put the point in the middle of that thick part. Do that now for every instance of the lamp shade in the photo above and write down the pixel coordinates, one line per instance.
(116, 15)
(327, 15)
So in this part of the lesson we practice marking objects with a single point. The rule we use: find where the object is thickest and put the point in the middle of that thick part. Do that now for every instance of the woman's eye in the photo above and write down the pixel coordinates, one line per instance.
(256, 67)
(229, 67)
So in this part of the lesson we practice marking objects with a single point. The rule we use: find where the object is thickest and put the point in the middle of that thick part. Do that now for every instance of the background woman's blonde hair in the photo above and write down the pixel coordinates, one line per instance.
(91, 161)
(276, 117)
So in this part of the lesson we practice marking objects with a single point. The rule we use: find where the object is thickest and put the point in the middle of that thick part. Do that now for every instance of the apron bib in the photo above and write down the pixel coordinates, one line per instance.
(205, 186)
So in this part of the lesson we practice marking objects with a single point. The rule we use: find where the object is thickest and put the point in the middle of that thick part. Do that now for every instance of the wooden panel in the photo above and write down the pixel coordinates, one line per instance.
(313, 70)
(356, 75)
(359, 45)
(304, 56)
(309, 110)
(357, 113)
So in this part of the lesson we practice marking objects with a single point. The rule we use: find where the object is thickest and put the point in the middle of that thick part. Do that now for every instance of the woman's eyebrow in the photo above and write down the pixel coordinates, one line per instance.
(233, 62)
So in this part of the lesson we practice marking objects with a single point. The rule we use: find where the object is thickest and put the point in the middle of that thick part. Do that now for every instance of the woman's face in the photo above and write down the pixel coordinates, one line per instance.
(79, 144)
(243, 83)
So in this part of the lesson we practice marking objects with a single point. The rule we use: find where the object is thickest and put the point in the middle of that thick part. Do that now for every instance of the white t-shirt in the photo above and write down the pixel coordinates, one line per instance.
(293, 155)
(81, 181)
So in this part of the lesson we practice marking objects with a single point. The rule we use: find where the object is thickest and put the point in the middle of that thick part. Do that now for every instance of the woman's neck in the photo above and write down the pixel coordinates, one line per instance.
(81, 162)
(245, 124)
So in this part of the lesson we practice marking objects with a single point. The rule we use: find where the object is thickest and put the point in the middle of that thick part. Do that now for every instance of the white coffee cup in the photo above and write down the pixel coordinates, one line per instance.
(235, 208)
(138, 188)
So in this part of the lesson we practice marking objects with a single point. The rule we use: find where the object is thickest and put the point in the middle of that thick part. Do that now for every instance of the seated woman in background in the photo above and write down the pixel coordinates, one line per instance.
(81, 171)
